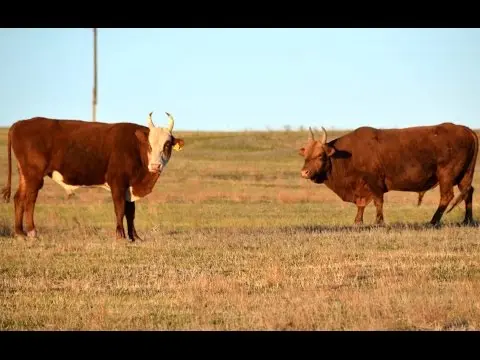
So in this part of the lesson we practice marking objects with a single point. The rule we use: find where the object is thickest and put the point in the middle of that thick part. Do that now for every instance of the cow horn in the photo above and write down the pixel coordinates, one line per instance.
(324, 137)
(150, 121)
(170, 121)
(311, 136)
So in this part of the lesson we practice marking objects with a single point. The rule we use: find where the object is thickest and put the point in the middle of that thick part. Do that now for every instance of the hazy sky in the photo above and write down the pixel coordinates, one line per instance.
(229, 79)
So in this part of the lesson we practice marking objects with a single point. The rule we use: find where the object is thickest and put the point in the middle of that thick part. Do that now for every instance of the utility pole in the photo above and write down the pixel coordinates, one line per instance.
(94, 100)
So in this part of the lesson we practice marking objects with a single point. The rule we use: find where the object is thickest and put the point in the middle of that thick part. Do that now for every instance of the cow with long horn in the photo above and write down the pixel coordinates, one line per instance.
(366, 163)
(124, 158)
(160, 141)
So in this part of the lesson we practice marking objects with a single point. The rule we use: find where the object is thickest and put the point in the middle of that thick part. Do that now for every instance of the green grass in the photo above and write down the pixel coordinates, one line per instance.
(235, 239)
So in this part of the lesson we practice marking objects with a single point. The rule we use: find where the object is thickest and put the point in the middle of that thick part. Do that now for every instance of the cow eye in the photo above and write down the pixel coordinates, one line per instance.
(167, 145)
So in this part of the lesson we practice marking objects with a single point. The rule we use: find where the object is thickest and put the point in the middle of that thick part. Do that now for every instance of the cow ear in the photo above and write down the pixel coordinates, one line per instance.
(329, 150)
(142, 136)
(178, 144)
(301, 152)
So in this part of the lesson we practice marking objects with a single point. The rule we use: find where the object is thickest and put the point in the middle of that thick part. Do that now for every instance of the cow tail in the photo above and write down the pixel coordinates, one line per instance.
(7, 189)
(470, 172)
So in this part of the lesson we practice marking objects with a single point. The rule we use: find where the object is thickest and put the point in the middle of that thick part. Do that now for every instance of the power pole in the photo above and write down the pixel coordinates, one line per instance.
(94, 100)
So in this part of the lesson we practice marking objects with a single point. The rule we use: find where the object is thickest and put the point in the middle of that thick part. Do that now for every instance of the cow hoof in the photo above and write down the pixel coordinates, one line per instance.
(469, 223)
(120, 234)
(135, 237)
(32, 234)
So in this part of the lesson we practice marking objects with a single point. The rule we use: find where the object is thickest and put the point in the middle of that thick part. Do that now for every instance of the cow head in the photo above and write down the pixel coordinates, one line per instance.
(317, 155)
(161, 142)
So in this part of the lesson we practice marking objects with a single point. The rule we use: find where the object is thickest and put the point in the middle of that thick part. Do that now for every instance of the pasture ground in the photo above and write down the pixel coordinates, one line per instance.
(234, 239)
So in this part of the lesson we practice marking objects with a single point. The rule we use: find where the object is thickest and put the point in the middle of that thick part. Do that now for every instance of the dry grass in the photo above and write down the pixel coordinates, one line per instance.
(235, 239)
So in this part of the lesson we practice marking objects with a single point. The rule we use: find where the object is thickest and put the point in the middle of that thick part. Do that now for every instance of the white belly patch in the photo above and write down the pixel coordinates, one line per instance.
(58, 178)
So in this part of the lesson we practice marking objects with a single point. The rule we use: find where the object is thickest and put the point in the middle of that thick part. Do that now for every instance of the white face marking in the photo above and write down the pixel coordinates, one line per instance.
(159, 156)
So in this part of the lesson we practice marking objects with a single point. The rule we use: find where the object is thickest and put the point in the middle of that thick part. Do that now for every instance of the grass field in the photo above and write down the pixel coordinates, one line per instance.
(235, 239)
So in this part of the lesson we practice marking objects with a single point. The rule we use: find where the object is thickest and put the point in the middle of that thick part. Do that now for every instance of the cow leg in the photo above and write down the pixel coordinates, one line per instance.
(446, 195)
(378, 201)
(359, 217)
(361, 203)
(19, 201)
(33, 185)
(130, 215)
(468, 204)
(118, 196)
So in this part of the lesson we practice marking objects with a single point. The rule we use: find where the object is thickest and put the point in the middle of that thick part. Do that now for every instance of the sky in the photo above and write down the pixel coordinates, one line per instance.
(237, 79)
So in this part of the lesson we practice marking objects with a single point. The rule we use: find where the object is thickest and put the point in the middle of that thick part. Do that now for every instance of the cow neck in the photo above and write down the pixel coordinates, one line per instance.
(144, 184)
(337, 178)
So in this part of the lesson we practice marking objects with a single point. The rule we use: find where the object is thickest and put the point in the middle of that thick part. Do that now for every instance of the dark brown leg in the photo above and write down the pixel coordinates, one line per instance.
(468, 205)
(446, 195)
(19, 201)
(31, 193)
(361, 202)
(118, 196)
(378, 201)
(359, 217)
(130, 215)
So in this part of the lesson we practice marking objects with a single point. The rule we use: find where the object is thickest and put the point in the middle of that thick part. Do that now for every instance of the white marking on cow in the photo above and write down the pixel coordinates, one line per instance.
(129, 195)
(157, 138)
(58, 178)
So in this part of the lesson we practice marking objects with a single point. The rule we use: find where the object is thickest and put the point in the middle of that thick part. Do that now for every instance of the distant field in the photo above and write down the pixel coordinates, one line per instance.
(234, 238)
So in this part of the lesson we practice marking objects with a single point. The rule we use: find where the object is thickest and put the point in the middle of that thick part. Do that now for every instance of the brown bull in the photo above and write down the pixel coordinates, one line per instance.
(366, 163)
(124, 158)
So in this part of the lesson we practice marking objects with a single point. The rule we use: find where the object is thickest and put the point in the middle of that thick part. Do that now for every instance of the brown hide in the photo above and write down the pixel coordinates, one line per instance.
(366, 163)
(85, 154)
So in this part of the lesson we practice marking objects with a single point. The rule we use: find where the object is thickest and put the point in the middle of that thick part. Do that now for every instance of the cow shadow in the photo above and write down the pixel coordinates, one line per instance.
(397, 226)
(5, 230)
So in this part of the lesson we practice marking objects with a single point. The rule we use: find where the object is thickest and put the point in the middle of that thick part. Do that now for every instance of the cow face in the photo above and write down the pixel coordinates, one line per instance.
(316, 154)
(161, 142)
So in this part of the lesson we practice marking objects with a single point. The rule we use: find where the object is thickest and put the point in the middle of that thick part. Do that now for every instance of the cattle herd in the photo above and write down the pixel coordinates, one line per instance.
(127, 159)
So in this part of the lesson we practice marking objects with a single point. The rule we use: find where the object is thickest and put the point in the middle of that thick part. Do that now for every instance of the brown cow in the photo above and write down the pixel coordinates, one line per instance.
(124, 158)
(364, 164)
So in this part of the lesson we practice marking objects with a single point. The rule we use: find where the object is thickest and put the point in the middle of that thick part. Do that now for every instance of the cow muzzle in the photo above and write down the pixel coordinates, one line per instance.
(306, 174)
(155, 168)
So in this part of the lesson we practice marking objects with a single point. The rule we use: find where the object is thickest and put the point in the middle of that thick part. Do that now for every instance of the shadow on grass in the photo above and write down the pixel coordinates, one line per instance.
(151, 233)
(52, 232)
(366, 227)
(5, 230)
